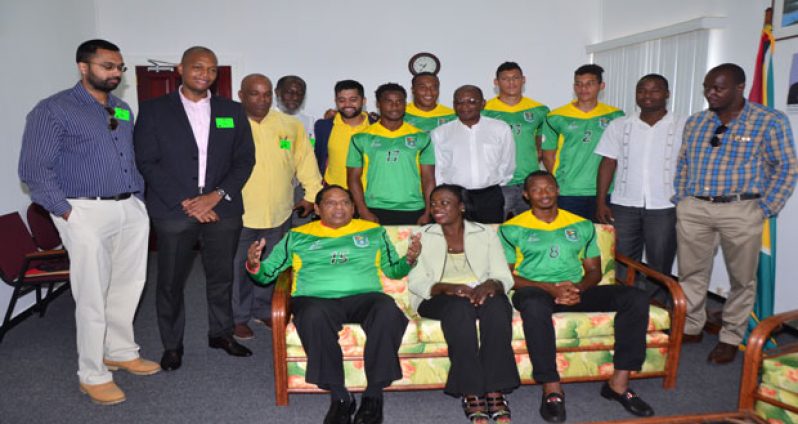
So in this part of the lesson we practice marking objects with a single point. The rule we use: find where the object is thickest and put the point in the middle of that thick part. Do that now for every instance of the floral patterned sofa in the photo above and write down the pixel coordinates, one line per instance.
(584, 340)
(775, 396)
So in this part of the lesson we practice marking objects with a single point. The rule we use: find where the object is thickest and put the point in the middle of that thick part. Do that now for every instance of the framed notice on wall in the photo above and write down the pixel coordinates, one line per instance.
(785, 18)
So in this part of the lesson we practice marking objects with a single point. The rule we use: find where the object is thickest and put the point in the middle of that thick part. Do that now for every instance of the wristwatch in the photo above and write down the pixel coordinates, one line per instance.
(223, 194)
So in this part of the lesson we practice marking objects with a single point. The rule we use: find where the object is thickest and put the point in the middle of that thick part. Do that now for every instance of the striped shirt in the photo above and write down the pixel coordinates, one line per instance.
(756, 155)
(69, 150)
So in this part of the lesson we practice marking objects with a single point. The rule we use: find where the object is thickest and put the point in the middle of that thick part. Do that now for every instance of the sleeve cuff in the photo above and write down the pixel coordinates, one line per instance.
(250, 270)
(61, 208)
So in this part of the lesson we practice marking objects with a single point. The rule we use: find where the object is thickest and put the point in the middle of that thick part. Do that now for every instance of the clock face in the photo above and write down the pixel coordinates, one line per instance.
(424, 62)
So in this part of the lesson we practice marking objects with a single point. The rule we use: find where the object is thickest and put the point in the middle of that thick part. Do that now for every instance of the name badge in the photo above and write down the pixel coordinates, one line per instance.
(285, 144)
(225, 122)
(121, 114)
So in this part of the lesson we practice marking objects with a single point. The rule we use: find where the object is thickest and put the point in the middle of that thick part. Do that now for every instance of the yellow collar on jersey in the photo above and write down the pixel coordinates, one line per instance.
(528, 220)
(525, 104)
(571, 111)
(379, 130)
(439, 110)
(316, 228)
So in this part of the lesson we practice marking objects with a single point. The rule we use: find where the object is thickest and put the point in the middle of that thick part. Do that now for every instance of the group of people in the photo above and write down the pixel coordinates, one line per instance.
(229, 176)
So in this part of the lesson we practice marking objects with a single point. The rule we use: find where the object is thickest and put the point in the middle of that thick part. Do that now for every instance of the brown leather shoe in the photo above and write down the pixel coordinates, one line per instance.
(264, 321)
(243, 332)
(692, 338)
(723, 353)
(136, 366)
(103, 394)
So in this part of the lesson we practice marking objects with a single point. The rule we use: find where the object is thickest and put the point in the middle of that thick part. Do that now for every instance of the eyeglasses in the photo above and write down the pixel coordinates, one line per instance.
(112, 121)
(108, 66)
(719, 131)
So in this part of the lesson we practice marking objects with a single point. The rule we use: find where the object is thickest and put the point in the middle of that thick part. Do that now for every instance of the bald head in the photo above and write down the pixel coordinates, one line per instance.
(256, 96)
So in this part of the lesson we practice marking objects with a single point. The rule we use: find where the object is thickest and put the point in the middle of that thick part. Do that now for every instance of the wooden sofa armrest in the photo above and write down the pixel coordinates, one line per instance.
(754, 356)
(281, 313)
(674, 289)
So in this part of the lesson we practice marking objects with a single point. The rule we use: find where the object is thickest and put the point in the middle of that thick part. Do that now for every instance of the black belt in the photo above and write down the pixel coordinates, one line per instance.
(121, 196)
(731, 198)
(488, 189)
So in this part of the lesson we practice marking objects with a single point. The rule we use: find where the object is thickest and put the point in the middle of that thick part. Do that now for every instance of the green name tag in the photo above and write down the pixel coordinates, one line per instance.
(122, 114)
(224, 122)
(312, 142)
(285, 144)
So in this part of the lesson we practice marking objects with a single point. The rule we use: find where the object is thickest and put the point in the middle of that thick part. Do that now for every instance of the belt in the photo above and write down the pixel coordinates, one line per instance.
(731, 198)
(121, 196)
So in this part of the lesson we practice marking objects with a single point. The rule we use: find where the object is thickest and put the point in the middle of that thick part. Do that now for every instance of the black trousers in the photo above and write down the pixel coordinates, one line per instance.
(631, 322)
(487, 205)
(391, 217)
(176, 241)
(479, 364)
(318, 322)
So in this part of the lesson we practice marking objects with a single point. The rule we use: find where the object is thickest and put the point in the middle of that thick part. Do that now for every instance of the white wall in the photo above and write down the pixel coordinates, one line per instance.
(38, 39)
(738, 43)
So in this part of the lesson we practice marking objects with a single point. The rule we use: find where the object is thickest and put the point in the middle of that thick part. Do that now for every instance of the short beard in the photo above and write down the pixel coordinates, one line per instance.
(356, 113)
(103, 85)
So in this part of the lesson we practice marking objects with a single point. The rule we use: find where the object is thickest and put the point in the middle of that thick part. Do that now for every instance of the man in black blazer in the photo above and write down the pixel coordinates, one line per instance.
(195, 152)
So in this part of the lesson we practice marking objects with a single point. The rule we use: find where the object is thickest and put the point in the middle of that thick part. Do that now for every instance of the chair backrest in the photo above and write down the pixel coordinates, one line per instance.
(15, 244)
(45, 235)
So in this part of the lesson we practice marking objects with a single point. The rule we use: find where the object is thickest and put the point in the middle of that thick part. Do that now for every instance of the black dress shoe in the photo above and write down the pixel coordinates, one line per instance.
(370, 411)
(229, 345)
(172, 359)
(722, 353)
(629, 399)
(340, 411)
(552, 407)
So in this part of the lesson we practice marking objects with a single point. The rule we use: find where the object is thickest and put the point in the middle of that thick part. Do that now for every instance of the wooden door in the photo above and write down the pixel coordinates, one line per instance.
(151, 83)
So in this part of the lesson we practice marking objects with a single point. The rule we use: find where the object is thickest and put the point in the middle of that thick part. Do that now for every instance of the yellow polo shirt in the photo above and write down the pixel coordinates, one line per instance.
(338, 148)
(282, 151)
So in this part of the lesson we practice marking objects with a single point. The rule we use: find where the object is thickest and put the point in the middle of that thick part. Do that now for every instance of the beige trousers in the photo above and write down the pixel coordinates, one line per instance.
(738, 226)
(107, 245)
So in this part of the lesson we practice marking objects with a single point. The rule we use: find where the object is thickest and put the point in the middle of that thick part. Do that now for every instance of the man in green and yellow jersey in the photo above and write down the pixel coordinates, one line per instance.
(334, 134)
(336, 280)
(391, 165)
(282, 153)
(570, 136)
(525, 117)
(556, 266)
(424, 112)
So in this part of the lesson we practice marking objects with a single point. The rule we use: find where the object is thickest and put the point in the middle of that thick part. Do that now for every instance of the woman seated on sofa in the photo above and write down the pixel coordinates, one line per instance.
(461, 277)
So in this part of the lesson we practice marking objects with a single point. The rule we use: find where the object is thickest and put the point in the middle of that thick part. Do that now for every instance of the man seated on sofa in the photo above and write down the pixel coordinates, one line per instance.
(336, 281)
(556, 265)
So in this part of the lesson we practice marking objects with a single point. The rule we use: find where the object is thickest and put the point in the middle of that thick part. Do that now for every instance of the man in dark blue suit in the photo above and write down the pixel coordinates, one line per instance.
(196, 152)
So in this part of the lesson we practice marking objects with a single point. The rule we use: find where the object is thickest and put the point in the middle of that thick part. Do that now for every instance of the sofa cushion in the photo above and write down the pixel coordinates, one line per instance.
(772, 413)
(782, 372)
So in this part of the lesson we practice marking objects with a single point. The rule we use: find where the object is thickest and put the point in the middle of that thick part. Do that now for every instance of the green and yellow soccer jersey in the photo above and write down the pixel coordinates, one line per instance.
(574, 135)
(428, 121)
(391, 165)
(334, 262)
(525, 119)
(549, 252)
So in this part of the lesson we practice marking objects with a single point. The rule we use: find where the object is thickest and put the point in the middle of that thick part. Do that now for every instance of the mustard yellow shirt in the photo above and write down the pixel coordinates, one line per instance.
(282, 151)
(338, 148)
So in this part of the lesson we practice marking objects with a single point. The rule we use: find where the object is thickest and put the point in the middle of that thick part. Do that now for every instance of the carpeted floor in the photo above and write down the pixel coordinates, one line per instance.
(39, 382)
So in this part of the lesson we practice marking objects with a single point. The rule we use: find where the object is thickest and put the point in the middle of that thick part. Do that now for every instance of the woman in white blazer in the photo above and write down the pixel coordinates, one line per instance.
(461, 277)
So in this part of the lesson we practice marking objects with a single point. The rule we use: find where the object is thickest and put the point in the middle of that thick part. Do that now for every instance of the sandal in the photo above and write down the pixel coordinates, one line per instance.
(498, 408)
(474, 408)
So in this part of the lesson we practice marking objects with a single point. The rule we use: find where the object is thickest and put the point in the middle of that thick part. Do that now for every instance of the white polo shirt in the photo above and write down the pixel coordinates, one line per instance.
(646, 158)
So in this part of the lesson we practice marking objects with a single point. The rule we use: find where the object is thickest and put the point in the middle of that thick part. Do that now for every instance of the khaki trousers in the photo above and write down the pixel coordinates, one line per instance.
(107, 245)
(738, 226)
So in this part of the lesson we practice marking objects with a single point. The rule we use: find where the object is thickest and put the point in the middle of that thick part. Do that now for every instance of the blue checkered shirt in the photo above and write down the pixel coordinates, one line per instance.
(756, 155)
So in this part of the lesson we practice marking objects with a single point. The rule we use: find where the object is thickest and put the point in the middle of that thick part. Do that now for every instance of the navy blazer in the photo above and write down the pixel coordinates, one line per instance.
(167, 155)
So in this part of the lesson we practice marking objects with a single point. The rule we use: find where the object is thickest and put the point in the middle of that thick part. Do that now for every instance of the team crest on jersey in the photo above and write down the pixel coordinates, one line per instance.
(603, 122)
(571, 235)
(316, 245)
(410, 142)
(360, 240)
(529, 116)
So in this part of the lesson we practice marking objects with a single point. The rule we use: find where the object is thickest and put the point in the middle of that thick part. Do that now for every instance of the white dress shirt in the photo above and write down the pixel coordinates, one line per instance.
(474, 157)
(646, 158)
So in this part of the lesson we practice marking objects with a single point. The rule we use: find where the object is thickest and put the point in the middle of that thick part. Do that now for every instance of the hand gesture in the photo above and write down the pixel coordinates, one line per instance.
(200, 205)
(413, 249)
(368, 216)
(604, 213)
(461, 290)
(254, 252)
(566, 293)
(207, 217)
(423, 219)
